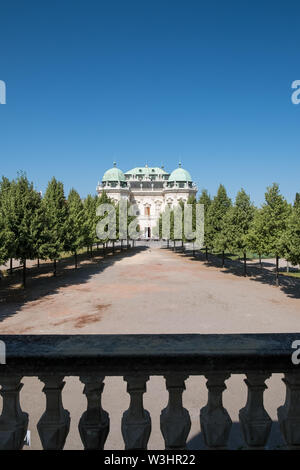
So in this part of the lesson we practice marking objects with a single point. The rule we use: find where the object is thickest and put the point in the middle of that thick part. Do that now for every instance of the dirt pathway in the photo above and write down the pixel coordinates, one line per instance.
(153, 291)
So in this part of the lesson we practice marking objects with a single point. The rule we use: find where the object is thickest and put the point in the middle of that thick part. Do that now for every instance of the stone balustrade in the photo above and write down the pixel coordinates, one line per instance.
(136, 357)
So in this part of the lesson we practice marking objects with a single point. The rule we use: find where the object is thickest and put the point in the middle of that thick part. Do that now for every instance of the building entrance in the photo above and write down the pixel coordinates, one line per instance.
(147, 232)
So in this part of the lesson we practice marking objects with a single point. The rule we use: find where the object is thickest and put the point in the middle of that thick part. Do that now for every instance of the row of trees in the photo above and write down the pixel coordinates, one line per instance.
(240, 227)
(36, 227)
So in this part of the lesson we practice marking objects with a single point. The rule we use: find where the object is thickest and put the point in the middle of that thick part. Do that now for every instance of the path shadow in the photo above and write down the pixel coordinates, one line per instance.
(41, 282)
(289, 285)
(236, 440)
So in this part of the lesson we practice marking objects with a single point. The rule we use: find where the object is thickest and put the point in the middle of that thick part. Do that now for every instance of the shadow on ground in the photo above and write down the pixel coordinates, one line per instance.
(236, 440)
(289, 285)
(41, 282)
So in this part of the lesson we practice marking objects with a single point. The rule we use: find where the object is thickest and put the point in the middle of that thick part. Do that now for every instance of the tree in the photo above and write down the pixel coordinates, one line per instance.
(192, 201)
(6, 223)
(90, 220)
(103, 199)
(236, 225)
(297, 200)
(177, 223)
(221, 242)
(75, 232)
(25, 202)
(291, 237)
(205, 199)
(255, 241)
(38, 231)
(215, 214)
(56, 212)
(122, 222)
(270, 224)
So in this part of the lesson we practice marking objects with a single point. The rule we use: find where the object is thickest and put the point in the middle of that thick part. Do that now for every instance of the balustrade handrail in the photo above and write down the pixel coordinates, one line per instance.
(136, 357)
(154, 354)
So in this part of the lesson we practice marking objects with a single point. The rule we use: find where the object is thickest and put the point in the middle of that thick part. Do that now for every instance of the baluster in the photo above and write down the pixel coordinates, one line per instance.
(54, 424)
(94, 422)
(175, 420)
(255, 422)
(13, 421)
(136, 421)
(215, 420)
(289, 413)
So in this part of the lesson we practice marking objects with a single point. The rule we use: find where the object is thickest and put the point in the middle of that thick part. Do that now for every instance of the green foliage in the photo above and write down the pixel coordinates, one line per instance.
(177, 221)
(236, 224)
(56, 215)
(103, 199)
(24, 201)
(19, 205)
(297, 200)
(205, 199)
(35, 227)
(130, 219)
(189, 221)
(291, 237)
(90, 220)
(38, 230)
(75, 236)
(7, 237)
(214, 218)
(269, 224)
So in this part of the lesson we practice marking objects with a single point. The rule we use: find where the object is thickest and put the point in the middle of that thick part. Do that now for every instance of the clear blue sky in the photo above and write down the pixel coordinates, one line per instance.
(208, 83)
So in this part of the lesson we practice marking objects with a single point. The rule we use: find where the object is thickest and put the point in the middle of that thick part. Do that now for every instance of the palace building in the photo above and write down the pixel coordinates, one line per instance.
(151, 188)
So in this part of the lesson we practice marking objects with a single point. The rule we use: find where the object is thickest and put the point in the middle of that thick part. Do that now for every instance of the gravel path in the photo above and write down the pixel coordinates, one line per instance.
(155, 291)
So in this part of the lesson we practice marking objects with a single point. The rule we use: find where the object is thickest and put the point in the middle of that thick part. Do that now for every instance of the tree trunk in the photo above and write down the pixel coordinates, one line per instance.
(168, 243)
(174, 247)
(103, 249)
(277, 270)
(260, 262)
(38, 263)
(193, 248)
(245, 264)
(206, 253)
(113, 244)
(182, 246)
(10, 266)
(54, 267)
(223, 259)
(75, 259)
(24, 274)
(91, 251)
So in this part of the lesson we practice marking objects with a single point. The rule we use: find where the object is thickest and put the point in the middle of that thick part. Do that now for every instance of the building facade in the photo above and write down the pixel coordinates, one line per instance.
(152, 189)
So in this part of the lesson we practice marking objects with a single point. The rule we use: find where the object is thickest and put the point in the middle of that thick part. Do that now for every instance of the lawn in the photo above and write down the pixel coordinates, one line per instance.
(291, 274)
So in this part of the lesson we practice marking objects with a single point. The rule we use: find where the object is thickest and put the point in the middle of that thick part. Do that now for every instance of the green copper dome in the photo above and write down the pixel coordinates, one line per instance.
(145, 170)
(114, 174)
(180, 175)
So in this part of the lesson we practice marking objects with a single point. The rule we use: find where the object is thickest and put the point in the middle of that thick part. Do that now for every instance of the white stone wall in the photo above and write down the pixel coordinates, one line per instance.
(156, 200)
